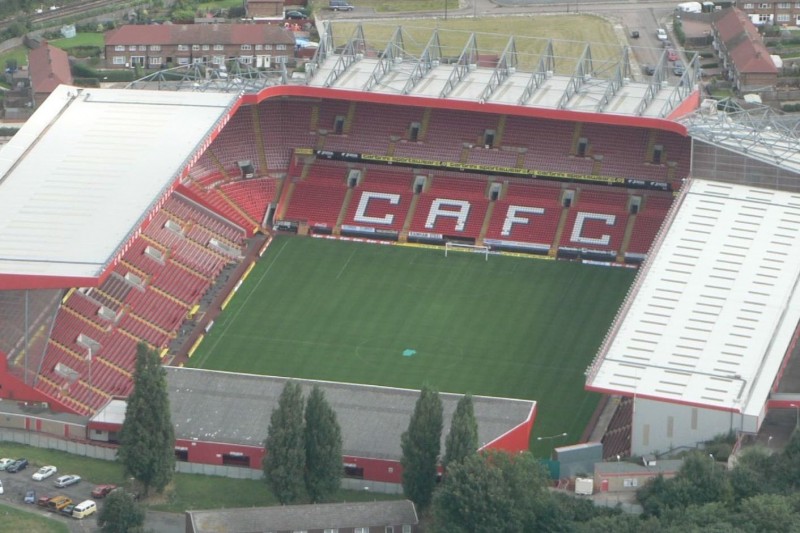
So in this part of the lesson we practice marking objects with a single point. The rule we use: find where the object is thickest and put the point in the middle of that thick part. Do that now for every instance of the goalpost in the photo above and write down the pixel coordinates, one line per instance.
(460, 247)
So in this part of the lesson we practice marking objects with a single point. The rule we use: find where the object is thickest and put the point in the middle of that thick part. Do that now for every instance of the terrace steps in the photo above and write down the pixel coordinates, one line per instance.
(262, 155)
(486, 221)
(80, 358)
(501, 129)
(139, 272)
(626, 238)
(562, 223)
(114, 366)
(94, 389)
(409, 218)
(83, 319)
(343, 211)
(187, 268)
(576, 135)
(238, 209)
(170, 297)
(151, 325)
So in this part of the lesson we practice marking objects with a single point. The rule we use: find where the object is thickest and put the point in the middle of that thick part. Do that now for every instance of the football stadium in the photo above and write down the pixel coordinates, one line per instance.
(569, 235)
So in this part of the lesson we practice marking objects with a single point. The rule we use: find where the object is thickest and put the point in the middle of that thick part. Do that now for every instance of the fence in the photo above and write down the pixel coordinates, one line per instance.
(40, 440)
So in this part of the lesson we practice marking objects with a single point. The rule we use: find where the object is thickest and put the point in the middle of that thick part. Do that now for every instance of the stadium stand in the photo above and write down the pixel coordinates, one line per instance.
(318, 198)
(597, 221)
(452, 207)
(511, 224)
(383, 182)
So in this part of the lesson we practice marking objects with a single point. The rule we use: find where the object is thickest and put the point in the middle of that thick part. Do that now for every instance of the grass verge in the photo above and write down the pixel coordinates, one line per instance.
(12, 519)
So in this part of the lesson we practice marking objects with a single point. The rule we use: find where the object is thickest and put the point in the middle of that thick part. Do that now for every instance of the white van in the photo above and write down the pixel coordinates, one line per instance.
(84, 509)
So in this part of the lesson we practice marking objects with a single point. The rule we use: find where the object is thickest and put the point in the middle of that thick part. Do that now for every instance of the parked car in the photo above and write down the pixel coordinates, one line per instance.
(101, 491)
(661, 34)
(42, 501)
(84, 509)
(67, 511)
(672, 54)
(340, 5)
(295, 15)
(18, 465)
(56, 503)
(30, 496)
(2, 490)
(44, 472)
(5, 462)
(634, 34)
(649, 70)
(678, 69)
(66, 481)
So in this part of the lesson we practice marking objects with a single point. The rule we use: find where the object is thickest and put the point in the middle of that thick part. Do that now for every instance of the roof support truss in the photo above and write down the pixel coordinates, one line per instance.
(684, 88)
(657, 81)
(394, 50)
(467, 61)
(622, 72)
(583, 71)
(323, 51)
(506, 66)
(428, 60)
(546, 66)
(353, 51)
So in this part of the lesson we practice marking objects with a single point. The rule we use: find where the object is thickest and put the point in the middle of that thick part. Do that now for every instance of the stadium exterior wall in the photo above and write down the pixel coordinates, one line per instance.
(660, 426)
(689, 104)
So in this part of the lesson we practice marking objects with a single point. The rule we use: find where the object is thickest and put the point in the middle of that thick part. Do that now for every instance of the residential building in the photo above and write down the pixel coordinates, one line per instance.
(162, 46)
(48, 68)
(777, 12)
(743, 56)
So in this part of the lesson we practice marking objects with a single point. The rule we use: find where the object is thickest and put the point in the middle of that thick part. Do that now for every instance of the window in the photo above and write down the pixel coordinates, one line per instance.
(784, 5)
(155, 60)
(247, 47)
(783, 18)
(406, 529)
(389, 529)
(748, 6)
(218, 60)
(219, 47)
(329, 530)
(155, 47)
(361, 530)
(797, 5)
(183, 48)
(259, 47)
(763, 6)
(267, 47)
(280, 47)
(183, 60)
(119, 60)
(132, 48)
(143, 48)
(206, 47)
(246, 59)
(119, 48)
(763, 19)
(196, 47)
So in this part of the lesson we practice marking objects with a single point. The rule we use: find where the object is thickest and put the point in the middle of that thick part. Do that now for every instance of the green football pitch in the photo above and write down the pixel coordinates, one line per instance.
(405, 317)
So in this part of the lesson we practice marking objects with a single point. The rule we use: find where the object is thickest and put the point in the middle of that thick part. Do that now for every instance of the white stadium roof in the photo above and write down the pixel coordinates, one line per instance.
(84, 171)
(711, 315)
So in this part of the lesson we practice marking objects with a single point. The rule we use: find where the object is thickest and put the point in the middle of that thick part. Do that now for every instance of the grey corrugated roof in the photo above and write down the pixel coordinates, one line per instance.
(304, 517)
(217, 406)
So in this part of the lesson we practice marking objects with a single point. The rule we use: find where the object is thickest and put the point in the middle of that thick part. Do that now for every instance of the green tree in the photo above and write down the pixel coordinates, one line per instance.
(768, 513)
(323, 445)
(755, 473)
(120, 514)
(285, 460)
(493, 492)
(462, 440)
(147, 439)
(421, 445)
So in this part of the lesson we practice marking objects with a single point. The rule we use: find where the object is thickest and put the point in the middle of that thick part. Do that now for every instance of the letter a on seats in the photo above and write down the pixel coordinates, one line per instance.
(441, 207)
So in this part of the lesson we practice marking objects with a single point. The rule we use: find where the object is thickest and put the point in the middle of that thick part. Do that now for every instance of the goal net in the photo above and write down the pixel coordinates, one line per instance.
(459, 247)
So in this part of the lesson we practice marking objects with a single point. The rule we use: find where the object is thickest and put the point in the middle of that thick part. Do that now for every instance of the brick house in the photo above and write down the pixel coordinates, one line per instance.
(772, 12)
(743, 56)
(48, 68)
(160, 46)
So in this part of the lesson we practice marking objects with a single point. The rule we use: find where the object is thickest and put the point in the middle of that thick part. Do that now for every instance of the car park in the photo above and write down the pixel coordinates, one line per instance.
(5, 462)
(18, 465)
(101, 491)
(295, 15)
(30, 496)
(661, 34)
(44, 472)
(66, 481)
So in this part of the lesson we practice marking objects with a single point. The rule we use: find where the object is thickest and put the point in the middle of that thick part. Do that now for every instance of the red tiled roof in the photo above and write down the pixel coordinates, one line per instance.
(49, 68)
(744, 44)
(235, 34)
